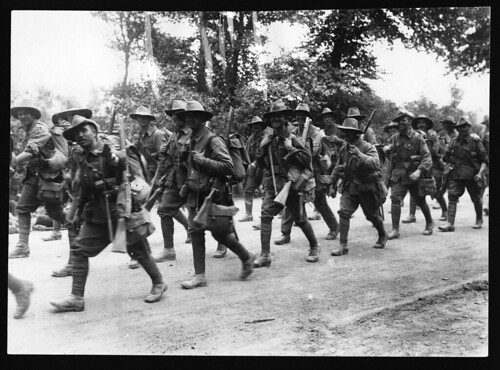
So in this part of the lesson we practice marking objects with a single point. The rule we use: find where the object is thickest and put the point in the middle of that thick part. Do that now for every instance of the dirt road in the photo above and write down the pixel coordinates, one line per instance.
(420, 296)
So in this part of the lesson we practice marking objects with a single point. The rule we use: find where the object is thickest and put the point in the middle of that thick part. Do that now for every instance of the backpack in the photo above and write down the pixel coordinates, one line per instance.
(238, 154)
(60, 155)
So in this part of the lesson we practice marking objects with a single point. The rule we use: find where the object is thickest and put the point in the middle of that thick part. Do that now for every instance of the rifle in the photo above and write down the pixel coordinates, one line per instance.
(369, 121)
(154, 197)
(228, 125)
(306, 130)
(202, 215)
(112, 122)
(124, 200)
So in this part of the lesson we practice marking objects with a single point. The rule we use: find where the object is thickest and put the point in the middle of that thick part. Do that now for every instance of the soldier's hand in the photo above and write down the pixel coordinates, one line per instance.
(332, 192)
(288, 143)
(415, 175)
(198, 157)
(353, 149)
(106, 152)
(386, 148)
(266, 140)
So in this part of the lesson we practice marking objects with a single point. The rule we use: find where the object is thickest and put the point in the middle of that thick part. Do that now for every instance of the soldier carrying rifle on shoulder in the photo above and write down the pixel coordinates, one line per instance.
(288, 180)
(207, 194)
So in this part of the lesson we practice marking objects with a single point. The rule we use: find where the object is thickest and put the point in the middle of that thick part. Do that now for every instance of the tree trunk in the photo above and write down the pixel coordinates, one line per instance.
(262, 71)
(207, 52)
(222, 46)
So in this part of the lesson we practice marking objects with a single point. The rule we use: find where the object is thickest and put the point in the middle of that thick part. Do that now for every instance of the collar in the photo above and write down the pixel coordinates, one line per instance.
(465, 139)
(150, 131)
(98, 149)
(284, 133)
(33, 125)
(411, 133)
(200, 134)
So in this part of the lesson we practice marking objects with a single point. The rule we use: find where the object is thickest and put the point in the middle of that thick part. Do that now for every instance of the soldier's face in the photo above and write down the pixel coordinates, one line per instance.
(194, 120)
(86, 136)
(463, 130)
(403, 125)
(144, 122)
(177, 121)
(256, 128)
(422, 125)
(26, 117)
(392, 131)
(350, 136)
(278, 120)
(301, 118)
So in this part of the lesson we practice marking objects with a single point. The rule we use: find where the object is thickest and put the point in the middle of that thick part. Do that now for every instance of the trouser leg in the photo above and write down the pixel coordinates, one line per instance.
(181, 218)
(80, 270)
(321, 204)
(167, 229)
(198, 244)
(308, 231)
(230, 241)
(142, 253)
(287, 222)
(265, 234)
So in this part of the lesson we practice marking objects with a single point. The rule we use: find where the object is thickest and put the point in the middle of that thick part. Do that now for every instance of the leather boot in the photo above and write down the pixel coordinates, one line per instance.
(395, 216)
(284, 239)
(21, 251)
(341, 250)
(156, 293)
(444, 216)
(378, 223)
(313, 254)
(452, 210)
(478, 224)
(256, 227)
(248, 217)
(411, 217)
(332, 235)
(428, 228)
(264, 259)
(197, 281)
(167, 254)
(315, 216)
(221, 251)
(22, 248)
(72, 303)
(54, 235)
(23, 296)
(63, 272)
(247, 267)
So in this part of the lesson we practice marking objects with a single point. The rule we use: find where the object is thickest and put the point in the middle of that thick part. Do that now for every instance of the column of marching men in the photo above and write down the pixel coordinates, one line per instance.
(293, 158)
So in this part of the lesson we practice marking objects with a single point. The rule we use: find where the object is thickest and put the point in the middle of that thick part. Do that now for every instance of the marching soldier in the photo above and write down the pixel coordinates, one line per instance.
(468, 160)
(63, 119)
(38, 149)
(321, 162)
(171, 175)
(254, 174)
(369, 136)
(425, 124)
(208, 164)
(359, 167)
(149, 140)
(410, 158)
(100, 169)
(281, 155)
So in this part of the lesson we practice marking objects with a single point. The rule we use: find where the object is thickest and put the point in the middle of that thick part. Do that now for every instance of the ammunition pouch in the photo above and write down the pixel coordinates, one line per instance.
(198, 181)
(139, 226)
(218, 218)
(51, 188)
(426, 186)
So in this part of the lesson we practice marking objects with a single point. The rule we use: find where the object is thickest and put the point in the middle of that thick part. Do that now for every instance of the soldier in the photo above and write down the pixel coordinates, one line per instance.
(425, 124)
(170, 176)
(468, 160)
(254, 173)
(39, 147)
(100, 170)
(149, 141)
(410, 157)
(63, 119)
(359, 167)
(321, 162)
(208, 164)
(280, 155)
(369, 136)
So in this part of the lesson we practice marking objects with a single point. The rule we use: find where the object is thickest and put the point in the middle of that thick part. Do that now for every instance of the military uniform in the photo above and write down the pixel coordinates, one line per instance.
(361, 185)
(254, 173)
(280, 163)
(211, 171)
(467, 158)
(171, 175)
(409, 153)
(149, 144)
(99, 172)
(37, 142)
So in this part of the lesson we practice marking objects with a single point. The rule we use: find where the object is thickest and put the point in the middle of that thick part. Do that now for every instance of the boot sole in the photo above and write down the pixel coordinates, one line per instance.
(193, 286)
(61, 275)
(65, 309)
(259, 265)
(220, 255)
(20, 256)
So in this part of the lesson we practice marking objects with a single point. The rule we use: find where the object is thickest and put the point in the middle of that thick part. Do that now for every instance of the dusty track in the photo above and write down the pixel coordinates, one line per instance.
(404, 300)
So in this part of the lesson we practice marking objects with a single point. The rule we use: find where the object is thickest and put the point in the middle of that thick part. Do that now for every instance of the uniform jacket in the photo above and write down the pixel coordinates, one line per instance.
(466, 156)
(38, 142)
(216, 165)
(149, 144)
(359, 174)
(253, 144)
(444, 140)
(97, 174)
(404, 149)
(282, 158)
(172, 159)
